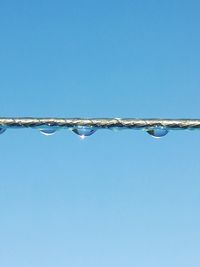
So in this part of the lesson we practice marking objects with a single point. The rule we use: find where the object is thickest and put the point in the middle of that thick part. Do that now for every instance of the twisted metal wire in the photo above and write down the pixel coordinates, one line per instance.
(132, 123)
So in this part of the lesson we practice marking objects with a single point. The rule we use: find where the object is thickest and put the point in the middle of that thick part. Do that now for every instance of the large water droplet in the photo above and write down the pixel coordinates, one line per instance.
(48, 130)
(84, 131)
(2, 130)
(157, 132)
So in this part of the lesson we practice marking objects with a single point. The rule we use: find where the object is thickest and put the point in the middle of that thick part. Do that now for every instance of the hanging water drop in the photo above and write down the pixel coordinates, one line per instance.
(116, 128)
(48, 130)
(84, 131)
(2, 130)
(157, 132)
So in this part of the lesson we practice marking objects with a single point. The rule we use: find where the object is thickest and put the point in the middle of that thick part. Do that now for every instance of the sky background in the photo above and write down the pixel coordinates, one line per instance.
(116, 199)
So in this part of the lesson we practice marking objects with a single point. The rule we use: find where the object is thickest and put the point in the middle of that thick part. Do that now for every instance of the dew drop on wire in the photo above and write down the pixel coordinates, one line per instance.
(2, 130)
(48, 131)
(116, 128)
(157, 132)
(84, 131)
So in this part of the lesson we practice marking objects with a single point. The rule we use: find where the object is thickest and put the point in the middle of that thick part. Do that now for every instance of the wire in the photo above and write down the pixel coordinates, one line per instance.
(172, 124)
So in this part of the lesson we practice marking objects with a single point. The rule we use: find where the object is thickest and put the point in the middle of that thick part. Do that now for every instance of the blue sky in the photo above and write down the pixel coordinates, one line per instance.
(117, 198)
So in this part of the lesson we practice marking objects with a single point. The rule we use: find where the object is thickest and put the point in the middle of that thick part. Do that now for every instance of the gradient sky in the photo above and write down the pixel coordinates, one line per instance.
(116, 199)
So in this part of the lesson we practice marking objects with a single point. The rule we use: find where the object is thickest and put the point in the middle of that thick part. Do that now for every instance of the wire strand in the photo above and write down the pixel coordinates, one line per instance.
(132, 123)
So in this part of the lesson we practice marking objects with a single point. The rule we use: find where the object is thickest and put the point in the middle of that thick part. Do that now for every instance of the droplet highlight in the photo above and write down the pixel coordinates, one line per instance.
(84, 131)
(158, 132)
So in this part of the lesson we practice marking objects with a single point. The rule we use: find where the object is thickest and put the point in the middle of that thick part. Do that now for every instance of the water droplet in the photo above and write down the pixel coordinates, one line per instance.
(157, 132)
(48, 130)
(84, 131)
(2, 130)
(116, 128)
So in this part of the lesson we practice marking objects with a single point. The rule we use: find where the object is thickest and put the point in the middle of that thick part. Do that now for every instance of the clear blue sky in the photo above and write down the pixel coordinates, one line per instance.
(115, 199)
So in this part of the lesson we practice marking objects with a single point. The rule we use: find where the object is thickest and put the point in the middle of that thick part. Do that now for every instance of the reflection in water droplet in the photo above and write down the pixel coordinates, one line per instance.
(157, 132)
(2, 130)
(48, 130)
(84, 131)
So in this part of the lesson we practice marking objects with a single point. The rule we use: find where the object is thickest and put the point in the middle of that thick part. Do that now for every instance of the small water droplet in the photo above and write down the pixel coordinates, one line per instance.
(116, 128)
(2, 130)
(48, 130)
(157, 132)
(84, 131)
